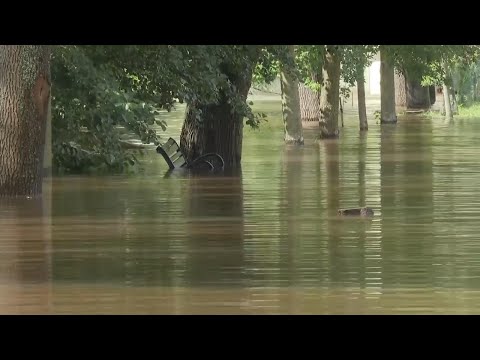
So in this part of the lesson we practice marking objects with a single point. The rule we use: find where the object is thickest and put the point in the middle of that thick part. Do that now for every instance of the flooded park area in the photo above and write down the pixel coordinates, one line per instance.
(266, 240)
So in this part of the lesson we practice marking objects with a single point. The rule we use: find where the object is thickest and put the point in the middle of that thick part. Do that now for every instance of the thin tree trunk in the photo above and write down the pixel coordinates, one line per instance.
(24, 96)
(446, 95)
(340, 101)
(387, 90)
(220, 128)
(47, 156)
(291, 105)
(454, 100)
(362, 107)
(446, 102)
(330, 95)
(400, 91)
(474, 83)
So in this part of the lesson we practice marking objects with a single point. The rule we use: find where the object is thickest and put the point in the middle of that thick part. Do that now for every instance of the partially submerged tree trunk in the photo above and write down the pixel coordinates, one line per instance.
(446, 94)
(24, 96)
(446, 102)
(220, 127)
(400, 91)
(291, 105)
(387, 89)
(362, 108)
(330, 95)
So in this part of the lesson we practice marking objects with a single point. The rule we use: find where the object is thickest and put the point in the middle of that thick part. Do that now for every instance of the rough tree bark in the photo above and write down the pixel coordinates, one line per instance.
(24, 96)
(291, 105)
(400, 91)
(221, 127)
(362, 107)
(330, 95)
(387, 90)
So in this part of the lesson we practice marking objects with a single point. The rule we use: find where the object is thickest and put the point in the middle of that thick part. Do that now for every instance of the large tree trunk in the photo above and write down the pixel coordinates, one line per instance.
(387, 90)
(330, 95)
(362, 107)
(400, 91)
(220, 128)
(291, 105)
(24, 96)
(418, 96)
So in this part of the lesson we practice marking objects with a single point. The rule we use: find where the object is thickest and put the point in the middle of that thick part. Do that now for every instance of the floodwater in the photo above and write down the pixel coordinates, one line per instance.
(266, 241)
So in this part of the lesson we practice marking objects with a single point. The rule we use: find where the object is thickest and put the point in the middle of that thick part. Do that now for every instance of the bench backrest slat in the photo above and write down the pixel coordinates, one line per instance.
(180, 161)
(172, 154)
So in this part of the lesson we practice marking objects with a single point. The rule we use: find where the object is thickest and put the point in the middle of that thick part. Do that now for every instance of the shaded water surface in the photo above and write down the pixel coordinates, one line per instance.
(265, 241)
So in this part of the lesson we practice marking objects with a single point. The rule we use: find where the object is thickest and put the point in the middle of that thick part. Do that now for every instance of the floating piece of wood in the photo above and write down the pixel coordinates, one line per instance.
(363, 211)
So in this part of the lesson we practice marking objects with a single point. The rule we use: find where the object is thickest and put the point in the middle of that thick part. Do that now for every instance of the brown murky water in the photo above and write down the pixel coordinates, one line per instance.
(264, 242)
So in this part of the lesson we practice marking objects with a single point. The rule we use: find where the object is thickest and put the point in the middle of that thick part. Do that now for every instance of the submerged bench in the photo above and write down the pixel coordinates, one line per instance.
(175, 159)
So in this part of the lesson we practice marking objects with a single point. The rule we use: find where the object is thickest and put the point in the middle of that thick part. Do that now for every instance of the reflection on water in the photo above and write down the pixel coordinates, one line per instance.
(264, 241)
(25, 255)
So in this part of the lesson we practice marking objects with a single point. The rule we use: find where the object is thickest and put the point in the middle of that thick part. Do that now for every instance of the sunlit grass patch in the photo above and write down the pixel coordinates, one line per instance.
(470, 111)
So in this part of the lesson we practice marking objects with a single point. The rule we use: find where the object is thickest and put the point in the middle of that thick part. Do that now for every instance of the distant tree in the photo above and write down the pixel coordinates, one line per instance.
(354, 61)
(330, 95)
(291, 103)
